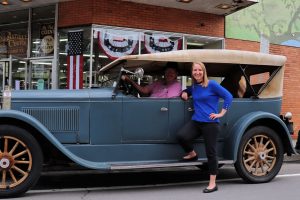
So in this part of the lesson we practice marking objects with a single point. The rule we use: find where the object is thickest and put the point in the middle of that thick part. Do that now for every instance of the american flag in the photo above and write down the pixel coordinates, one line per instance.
(75, 60)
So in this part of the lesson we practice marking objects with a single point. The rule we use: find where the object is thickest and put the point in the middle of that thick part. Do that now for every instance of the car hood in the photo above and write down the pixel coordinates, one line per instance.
(51, 95)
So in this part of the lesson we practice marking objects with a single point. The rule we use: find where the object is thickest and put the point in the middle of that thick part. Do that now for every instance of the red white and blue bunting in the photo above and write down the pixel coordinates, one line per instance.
(161, 43)
(116, 43)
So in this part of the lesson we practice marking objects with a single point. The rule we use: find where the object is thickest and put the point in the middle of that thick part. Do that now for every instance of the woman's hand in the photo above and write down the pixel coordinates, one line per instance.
(184, 96)
(214, 116)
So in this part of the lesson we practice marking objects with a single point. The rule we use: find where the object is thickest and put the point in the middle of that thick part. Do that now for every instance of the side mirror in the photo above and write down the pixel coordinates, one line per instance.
(138, 72)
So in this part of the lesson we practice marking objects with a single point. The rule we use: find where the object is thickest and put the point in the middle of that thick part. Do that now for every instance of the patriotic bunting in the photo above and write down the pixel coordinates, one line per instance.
(117, 43)
(160, 43)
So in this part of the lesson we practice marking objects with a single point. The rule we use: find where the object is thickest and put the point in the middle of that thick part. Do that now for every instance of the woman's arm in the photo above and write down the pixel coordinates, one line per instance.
(186, 93)
(224, 94)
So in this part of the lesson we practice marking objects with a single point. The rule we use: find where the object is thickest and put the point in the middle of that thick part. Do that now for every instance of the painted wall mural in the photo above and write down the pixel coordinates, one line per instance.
(278, 21)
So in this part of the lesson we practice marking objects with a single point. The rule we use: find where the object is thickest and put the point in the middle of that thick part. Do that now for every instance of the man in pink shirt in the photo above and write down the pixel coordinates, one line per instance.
(169, 87)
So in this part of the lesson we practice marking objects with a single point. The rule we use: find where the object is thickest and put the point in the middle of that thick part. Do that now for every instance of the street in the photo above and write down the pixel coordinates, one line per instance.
(160, 184)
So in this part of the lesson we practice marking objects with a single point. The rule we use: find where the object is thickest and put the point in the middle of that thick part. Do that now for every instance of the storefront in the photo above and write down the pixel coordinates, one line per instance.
(36, 51)
(27, 53)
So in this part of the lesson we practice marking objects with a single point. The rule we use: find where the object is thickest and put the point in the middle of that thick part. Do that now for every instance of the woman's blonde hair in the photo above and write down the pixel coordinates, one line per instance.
(205, 79)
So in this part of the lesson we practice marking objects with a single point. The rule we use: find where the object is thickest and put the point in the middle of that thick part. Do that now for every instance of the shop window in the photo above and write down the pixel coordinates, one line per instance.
(42, 30)
(13, 34)
(113, 42)
(110, 44)
(202, 42)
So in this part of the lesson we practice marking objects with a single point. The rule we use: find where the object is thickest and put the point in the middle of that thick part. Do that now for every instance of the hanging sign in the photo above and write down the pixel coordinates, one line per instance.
(117, 43)
(13, 42)
(161, 43)
(47, 38)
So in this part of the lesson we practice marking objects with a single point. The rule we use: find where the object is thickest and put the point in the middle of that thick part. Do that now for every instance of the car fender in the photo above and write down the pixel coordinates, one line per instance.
(237, 131)
(28, 119)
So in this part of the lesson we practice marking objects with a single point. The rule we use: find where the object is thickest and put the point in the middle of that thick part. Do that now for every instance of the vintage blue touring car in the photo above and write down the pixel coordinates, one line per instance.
(112, 127)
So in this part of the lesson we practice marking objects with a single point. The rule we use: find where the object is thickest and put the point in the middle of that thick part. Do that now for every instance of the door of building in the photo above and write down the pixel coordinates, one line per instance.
(2, 75)
(40, 73)
(13, 73)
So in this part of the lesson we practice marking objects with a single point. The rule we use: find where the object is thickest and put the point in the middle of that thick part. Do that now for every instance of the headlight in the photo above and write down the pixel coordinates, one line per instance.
(288, 115)
(6, 101)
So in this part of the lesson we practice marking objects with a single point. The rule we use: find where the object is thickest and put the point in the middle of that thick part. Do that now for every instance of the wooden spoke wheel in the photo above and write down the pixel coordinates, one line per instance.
(15, 162)
(260, 155)
(20, 161)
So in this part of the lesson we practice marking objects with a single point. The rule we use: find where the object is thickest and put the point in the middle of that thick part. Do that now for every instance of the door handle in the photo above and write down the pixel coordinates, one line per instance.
(190, 109)
(164, 109)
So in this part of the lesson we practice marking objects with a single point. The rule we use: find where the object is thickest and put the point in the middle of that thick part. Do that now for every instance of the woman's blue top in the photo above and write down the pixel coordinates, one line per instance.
(206, 100)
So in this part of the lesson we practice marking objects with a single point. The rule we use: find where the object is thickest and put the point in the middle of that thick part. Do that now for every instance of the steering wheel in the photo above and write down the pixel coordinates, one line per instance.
(106, 81)
(124, 86)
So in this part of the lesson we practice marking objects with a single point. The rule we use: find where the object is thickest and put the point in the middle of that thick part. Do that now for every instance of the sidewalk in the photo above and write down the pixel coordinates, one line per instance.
(294, 157)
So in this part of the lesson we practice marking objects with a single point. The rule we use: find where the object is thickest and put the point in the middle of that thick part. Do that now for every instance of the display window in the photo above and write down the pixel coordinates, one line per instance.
(42, 31)
(14, 34)
(28, 40)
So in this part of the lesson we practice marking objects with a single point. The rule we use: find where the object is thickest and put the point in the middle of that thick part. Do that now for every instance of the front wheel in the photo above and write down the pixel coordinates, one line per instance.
(20, 161)
(260, 155)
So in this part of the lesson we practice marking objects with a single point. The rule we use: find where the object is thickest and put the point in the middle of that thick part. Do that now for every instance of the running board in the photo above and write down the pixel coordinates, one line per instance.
(127, 166)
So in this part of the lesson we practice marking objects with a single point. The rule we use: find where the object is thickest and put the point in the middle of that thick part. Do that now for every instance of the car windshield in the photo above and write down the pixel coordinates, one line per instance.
(109, 78)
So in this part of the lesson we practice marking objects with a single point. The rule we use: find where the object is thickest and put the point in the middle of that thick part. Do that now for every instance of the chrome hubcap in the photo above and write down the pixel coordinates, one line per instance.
(4, 163)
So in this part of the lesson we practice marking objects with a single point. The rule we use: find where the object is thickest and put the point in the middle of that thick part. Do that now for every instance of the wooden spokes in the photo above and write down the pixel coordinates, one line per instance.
(259, 155)
(15, 162)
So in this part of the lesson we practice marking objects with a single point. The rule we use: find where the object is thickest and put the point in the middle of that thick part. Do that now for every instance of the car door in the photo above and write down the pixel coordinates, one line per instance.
(145, 119)
(177, 117)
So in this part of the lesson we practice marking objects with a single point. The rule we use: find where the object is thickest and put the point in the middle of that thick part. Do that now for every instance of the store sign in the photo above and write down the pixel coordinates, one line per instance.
(13, 43)
(47, 38)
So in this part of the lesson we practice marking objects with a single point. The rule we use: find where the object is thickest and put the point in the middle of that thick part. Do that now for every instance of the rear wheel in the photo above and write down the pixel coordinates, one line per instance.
(20, 161)
(260, 155)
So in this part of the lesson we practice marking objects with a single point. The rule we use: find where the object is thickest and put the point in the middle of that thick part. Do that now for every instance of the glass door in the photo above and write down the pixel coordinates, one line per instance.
(13, 73)
(2, 75)
(39, 74)
(18, 77)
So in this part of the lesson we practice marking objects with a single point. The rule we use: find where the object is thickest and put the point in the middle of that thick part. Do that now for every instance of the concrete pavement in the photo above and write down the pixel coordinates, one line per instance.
(294, 157)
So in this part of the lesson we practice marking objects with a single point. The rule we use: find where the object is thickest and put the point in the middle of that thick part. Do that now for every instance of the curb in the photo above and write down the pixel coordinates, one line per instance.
(293, 157)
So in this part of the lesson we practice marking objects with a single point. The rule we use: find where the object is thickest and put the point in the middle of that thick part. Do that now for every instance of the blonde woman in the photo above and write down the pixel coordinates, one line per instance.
(205, 120)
